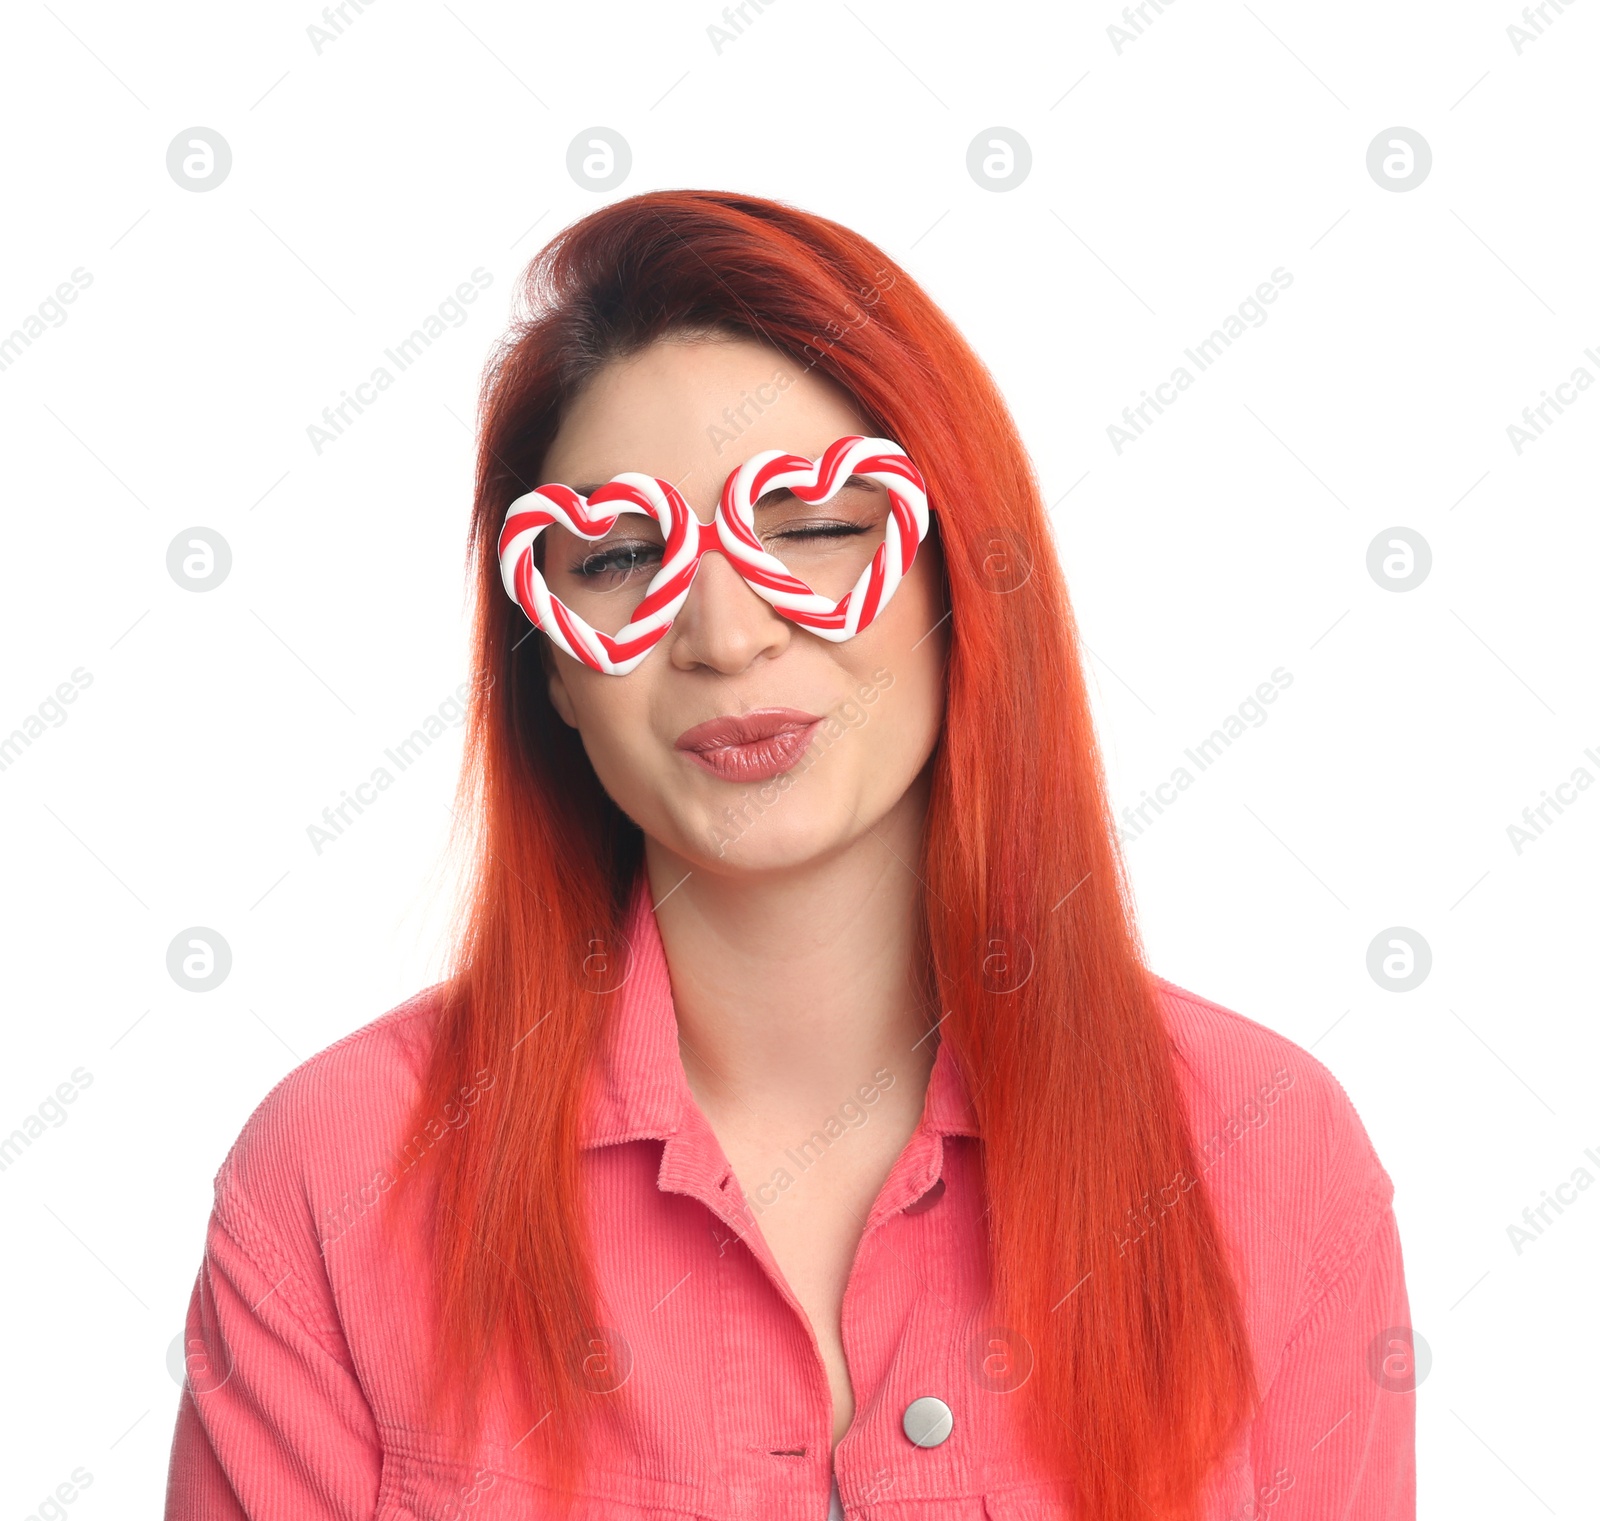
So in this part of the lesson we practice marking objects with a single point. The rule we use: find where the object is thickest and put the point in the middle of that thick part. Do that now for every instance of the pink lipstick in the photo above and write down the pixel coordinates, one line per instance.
(750, 747)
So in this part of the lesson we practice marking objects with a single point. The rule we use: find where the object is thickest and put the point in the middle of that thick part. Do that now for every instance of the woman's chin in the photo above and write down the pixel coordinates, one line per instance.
(751, 835)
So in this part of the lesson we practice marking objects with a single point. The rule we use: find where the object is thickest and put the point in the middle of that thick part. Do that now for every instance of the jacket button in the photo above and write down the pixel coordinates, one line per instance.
(928, 1421)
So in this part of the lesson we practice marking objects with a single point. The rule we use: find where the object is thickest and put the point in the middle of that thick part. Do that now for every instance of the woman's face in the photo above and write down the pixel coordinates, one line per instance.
(690, 411)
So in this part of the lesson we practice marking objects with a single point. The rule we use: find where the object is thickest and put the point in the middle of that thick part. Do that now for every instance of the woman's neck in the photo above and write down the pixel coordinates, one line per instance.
(794, 987)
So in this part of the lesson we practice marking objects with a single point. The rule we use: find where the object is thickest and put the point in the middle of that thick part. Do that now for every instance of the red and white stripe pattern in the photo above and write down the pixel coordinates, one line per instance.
(732, 531)
(815, 481)
(529, 516)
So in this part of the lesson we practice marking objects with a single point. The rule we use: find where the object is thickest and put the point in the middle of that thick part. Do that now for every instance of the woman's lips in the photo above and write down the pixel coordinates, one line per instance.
(750, 747)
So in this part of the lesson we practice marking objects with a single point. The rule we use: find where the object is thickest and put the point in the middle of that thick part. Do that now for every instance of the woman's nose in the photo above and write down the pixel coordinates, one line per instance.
(724, 622)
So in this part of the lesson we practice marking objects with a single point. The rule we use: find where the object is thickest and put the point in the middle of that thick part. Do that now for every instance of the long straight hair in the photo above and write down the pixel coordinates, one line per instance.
(1142, 1373)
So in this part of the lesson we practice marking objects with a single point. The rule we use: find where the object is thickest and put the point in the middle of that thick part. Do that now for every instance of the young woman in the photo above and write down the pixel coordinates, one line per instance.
(800, 1125)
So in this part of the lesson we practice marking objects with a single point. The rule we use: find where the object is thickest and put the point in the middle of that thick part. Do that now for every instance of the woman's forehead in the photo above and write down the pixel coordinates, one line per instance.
(692, 412)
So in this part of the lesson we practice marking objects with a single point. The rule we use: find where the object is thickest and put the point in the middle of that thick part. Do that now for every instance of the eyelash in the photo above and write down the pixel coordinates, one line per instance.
(608, 562)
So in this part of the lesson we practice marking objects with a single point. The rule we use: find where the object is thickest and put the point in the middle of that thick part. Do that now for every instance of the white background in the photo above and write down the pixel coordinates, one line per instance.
(1168, 179)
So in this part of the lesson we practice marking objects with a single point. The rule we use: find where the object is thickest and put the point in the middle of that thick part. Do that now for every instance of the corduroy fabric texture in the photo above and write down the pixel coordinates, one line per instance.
(308, 1332)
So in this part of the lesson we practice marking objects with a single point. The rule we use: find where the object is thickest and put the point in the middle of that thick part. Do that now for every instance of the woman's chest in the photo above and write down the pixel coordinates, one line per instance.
(711, 1391)
(810, 1207)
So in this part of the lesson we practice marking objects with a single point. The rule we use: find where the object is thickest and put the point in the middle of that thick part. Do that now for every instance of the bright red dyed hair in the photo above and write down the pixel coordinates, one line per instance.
(1142, 1376)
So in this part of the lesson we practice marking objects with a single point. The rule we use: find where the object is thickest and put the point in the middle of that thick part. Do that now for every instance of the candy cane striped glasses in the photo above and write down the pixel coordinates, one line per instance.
(824, 541)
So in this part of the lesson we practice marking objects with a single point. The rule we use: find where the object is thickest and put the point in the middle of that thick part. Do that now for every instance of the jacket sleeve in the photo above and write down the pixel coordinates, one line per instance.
(273, 1424)
(1334, 1437)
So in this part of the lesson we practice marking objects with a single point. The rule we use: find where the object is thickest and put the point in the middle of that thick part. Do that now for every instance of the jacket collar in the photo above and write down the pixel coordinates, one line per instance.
(637, 1087)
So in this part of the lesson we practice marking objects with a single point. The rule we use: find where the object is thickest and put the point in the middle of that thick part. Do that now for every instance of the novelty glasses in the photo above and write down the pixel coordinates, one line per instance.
(824, 541)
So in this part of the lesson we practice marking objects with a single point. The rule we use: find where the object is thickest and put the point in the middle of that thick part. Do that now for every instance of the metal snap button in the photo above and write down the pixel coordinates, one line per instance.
(928, 1421)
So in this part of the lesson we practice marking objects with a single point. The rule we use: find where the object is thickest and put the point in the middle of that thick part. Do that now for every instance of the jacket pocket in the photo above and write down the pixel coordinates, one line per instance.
(419, 1486)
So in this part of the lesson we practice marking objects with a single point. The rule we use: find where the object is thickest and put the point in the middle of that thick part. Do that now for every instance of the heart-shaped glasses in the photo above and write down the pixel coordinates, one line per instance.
(609, 593)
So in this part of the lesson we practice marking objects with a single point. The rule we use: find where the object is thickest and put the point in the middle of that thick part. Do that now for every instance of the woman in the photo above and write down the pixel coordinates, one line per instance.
(799, 1125)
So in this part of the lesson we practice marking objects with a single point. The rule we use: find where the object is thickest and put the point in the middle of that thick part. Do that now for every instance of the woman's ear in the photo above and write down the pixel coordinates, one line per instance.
(555, 684)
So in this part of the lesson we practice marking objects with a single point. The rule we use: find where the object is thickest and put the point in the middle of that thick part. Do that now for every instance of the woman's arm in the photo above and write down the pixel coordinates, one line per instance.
(1334, 1435)
(273, 1421)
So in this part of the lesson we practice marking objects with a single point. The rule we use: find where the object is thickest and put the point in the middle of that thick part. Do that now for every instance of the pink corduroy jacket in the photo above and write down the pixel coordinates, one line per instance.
(307, 1330)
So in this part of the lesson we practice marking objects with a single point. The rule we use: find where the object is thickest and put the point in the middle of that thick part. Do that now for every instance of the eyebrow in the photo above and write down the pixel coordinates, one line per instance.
(780, 493)
(860, 482)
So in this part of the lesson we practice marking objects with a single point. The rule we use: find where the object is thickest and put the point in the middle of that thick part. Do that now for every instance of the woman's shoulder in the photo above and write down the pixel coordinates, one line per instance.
(1284, 1153)
(322, 1130)
(313, 1161)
